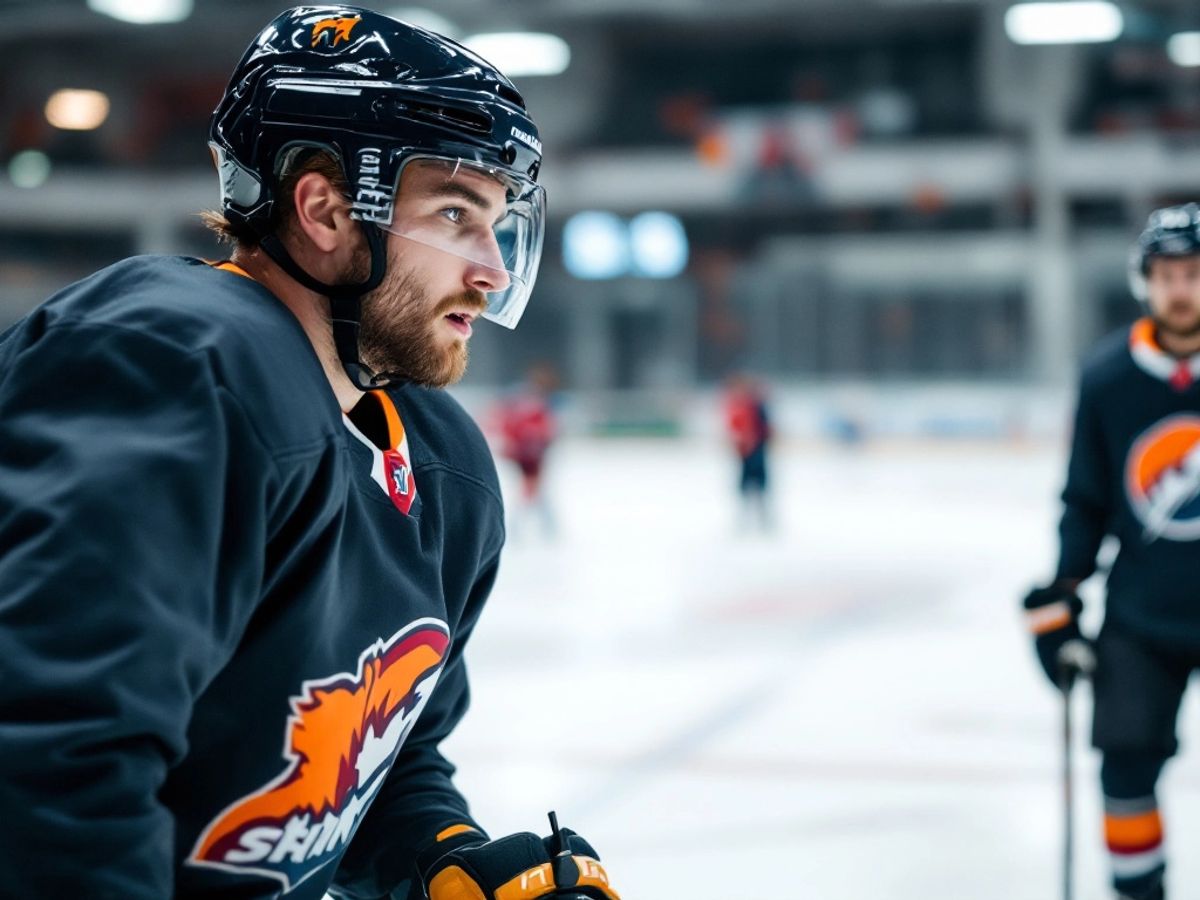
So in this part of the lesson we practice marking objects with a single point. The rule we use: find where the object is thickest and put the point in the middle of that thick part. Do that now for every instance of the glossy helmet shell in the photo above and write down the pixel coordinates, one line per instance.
(371, 90)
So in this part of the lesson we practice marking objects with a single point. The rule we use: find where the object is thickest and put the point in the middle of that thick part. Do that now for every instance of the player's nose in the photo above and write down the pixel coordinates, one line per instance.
(488, 273)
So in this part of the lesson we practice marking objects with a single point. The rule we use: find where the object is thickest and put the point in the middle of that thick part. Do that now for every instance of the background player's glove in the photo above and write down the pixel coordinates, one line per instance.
(467, 866)
(1053, 616)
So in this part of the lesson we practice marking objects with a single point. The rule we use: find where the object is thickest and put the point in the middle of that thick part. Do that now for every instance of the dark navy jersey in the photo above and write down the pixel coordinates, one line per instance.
(1135, 473)
(231, 615)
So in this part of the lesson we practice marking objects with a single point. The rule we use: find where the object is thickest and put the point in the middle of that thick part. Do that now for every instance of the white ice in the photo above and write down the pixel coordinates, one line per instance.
(848, 708)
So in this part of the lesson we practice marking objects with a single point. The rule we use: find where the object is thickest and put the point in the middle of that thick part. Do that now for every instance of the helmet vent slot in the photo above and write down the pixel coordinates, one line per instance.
(457, 118)
(510, 95)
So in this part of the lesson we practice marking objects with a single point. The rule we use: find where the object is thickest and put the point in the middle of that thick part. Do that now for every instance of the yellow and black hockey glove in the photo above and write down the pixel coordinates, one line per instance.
(465, 865)
(1052, 613)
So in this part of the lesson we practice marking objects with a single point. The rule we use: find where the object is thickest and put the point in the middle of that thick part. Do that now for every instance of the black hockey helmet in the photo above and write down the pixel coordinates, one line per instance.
(377, 94)
(1171, 231)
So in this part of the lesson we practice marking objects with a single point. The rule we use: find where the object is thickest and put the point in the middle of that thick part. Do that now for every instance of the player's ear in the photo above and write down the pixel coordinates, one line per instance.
(322, 213)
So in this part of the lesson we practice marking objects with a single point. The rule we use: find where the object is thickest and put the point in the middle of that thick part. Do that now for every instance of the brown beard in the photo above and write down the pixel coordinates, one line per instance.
(1165, 327)
(398, 332)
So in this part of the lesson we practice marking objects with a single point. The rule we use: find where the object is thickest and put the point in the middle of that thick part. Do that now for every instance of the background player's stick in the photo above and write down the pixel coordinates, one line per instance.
(1074, 659)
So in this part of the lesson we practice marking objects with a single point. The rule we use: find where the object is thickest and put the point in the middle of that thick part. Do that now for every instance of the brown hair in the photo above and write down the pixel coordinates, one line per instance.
(299, 162)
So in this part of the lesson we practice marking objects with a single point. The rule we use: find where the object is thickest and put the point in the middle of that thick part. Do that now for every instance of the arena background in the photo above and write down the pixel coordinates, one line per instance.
(909, 227)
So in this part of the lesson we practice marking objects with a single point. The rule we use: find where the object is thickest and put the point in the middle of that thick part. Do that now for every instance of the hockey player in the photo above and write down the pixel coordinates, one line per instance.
(749, 428)
(526, 426)
(1135, 473)
(243, 535)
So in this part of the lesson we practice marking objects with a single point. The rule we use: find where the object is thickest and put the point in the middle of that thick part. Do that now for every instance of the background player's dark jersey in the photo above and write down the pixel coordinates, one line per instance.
(1135, 473)
(224, 606)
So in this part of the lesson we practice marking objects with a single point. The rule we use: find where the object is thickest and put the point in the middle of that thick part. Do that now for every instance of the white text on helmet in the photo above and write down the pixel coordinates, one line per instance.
(373, 204)
(527, 139)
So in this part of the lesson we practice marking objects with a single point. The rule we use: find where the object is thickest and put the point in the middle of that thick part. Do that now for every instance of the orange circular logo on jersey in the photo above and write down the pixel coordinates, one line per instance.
(1162, 479)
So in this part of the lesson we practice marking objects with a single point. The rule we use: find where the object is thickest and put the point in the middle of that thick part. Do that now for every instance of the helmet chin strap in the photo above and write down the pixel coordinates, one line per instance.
(345, 304)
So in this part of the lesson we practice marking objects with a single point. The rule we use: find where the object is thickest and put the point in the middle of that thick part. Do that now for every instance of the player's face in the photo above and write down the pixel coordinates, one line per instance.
(416, 324)
(1174, 294)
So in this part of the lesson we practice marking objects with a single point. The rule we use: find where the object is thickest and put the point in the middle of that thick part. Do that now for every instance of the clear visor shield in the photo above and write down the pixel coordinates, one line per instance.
(484, 217)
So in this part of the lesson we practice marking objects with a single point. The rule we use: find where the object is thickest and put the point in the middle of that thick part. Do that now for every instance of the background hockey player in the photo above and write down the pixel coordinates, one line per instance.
(244, 537)
(1135, 473)
(527, 426)
(748, 424)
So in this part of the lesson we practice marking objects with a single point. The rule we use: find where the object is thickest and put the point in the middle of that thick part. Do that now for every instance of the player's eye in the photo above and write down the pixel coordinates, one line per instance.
(455, 214)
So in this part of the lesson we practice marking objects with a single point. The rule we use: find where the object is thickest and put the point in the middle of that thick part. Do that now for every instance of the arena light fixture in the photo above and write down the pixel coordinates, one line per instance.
(29, 169)
(595, 246)
(659, 245)
(143, 12)
(1068, 22)
(73, 109)
(522, 53)
(425, 18)
(1184, 48)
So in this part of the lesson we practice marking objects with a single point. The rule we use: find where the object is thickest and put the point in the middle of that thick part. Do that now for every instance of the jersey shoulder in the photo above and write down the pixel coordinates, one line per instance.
(442, 434)
(178, 299)
(1109, 361)
(251, 345)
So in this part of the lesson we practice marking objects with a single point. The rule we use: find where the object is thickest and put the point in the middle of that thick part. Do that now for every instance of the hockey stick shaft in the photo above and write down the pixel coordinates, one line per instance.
(1068, 795)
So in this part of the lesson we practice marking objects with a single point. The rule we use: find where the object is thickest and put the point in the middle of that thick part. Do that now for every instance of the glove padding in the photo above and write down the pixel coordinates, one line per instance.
(518, 867)
(1053, 616)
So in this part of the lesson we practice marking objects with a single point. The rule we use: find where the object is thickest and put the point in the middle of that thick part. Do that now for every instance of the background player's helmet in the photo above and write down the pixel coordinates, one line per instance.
(1171, 231)
(377, 94)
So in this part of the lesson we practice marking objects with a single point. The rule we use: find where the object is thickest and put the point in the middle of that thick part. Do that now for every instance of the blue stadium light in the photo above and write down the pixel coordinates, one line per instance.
(659, 244)
(29, 169)
(596, 246)
(1184, 48)
(1068, 22)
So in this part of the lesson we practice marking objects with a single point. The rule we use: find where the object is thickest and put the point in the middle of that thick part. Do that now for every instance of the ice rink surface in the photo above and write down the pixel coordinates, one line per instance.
(845, 708)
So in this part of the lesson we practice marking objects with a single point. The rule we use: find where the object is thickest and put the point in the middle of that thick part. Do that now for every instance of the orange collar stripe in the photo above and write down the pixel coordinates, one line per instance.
(1142, 334)
(228, 266)
(395, 426)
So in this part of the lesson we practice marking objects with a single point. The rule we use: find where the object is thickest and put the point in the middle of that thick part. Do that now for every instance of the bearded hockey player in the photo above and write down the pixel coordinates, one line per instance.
(1135, 474)
(243, 535)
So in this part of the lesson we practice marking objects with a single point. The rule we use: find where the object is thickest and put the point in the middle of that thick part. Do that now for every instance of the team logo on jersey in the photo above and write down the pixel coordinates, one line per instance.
(339, 28)
(339, 744)
(399, 480)
(390, 469)
(1162, 479)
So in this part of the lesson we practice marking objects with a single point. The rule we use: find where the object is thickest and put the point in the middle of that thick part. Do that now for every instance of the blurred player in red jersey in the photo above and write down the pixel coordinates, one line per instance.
(749, 427)
(527, 427)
